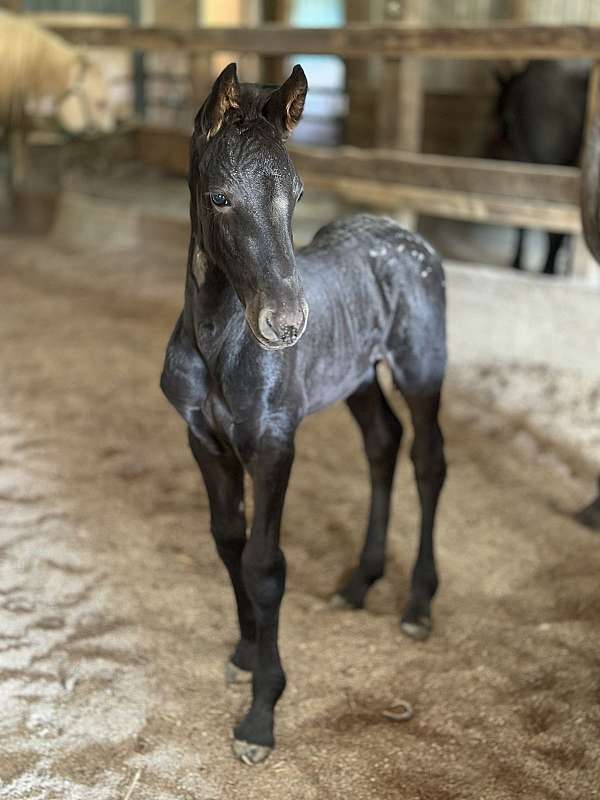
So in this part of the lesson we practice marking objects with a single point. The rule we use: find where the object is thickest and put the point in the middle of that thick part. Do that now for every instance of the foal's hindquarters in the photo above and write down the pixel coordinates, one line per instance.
(410, 281)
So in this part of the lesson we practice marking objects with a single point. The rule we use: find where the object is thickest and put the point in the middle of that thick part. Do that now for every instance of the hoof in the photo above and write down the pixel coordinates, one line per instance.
(234, 675)
(250, 753)
(340, 603)
(419, 629)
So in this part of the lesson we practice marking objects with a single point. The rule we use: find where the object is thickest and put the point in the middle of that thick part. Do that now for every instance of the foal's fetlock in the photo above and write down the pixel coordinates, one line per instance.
(416, 620)
(239, 667)
(354, 590)
(253, 737)
(352, 594)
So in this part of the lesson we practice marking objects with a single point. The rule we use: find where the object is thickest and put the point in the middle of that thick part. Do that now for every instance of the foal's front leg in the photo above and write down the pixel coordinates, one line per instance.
(224, 478)
(263, 570)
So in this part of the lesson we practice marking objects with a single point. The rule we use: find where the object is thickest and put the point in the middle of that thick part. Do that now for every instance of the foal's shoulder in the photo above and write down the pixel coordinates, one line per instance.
(183, 379)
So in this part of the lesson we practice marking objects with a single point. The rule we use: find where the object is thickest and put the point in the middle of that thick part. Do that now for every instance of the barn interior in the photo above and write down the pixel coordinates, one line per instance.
(116, 615)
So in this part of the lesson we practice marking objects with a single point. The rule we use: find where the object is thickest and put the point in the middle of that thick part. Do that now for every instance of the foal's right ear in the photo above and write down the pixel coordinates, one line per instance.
(225, 94)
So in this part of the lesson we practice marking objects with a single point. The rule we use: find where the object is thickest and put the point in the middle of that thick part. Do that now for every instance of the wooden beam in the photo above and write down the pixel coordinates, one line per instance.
(487, 43)
(400, 113)
(77, 19)
(400, 109)
(272, 67)
(501, 192)
(360, 88)
(517, 10)
(471, 207)
(537, 182)
(453, 173)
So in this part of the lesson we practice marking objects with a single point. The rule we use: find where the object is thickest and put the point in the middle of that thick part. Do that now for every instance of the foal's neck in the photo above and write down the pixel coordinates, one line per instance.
(211, 302)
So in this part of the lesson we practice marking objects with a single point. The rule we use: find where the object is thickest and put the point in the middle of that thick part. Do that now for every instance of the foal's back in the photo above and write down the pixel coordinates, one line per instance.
(376, 292)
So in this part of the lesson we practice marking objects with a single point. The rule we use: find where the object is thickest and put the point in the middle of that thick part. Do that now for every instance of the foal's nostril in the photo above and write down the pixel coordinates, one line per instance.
(266, 326)
(277, 328)
(289, 333)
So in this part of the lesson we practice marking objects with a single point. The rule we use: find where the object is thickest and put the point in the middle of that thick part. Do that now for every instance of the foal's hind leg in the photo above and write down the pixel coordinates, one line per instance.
(382, 433)
(224, 479)
(427, 454)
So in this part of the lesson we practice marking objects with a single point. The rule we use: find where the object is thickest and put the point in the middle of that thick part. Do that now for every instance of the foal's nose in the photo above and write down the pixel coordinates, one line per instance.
(281, 327)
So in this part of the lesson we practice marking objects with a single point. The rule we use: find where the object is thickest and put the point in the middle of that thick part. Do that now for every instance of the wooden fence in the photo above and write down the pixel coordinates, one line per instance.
(461, 188)
(493, 42)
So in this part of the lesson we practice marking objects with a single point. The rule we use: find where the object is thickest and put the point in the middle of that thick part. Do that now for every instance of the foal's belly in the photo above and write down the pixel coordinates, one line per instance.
(343, 341)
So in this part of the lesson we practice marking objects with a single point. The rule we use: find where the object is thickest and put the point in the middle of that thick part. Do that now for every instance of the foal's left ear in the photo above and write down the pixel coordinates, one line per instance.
(284, 107)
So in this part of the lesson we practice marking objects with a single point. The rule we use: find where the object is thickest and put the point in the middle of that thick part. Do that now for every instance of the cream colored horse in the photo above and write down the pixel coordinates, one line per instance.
(41, 73)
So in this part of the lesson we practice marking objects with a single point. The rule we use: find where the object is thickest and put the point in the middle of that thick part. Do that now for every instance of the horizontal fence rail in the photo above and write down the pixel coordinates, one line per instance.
(474, 189)
(500, 41)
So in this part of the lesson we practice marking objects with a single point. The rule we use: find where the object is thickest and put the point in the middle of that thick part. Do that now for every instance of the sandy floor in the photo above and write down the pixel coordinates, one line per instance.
(116, 617)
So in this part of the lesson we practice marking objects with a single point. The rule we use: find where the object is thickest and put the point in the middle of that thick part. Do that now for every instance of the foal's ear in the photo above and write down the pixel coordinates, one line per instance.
(225, 94)
(284, 107)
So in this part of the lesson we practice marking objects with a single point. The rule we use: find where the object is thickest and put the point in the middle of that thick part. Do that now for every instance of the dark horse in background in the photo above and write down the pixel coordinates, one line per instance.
(268, 336)
(541, 116)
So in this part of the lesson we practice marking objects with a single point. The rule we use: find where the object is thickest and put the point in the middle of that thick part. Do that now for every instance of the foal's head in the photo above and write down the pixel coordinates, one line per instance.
(244, 189)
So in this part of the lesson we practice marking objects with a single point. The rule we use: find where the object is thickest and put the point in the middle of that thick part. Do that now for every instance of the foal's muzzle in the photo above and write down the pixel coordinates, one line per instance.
(281, 328)
(278, 324)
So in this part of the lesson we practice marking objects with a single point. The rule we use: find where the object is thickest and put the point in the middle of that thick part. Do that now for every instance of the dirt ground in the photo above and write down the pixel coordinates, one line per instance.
(116, 617)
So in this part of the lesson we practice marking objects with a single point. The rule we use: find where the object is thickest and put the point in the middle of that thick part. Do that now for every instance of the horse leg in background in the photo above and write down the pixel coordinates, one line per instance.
(382, 434)
(18, 170)
(18, 156)
(427, 454)
(555, 241)
(224, 479)
(263, 570)
(590, 515)
(516, 263)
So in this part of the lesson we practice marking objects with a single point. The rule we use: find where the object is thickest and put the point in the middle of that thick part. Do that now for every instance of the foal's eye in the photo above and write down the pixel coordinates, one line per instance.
(219, 200)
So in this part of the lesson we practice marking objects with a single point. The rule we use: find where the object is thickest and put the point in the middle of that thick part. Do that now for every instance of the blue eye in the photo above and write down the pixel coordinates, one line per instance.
(219, 200)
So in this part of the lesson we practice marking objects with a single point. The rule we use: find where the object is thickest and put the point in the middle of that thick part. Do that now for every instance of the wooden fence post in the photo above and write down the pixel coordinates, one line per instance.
(362, 94)
(400, 117)
(517, 10)
(272, 67)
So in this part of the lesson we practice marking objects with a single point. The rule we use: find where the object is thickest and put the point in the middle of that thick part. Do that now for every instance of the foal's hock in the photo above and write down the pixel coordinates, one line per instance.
(268, 336)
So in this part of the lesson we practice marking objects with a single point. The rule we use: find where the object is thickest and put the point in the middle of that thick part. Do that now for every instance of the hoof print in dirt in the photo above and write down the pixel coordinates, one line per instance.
(235, 676)
(249, 753)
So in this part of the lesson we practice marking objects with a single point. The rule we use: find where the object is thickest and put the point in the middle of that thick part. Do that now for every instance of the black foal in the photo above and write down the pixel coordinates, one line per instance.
(243, 367)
